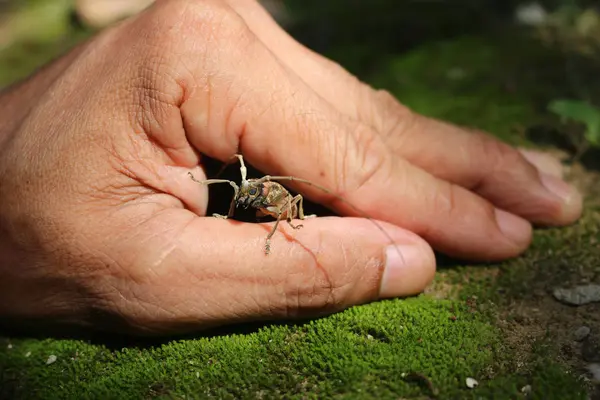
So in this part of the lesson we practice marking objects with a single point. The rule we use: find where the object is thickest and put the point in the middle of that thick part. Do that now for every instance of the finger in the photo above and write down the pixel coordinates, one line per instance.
(284, 128)
(207, 272)
(544, 162)
(479, 163)
(486, 166)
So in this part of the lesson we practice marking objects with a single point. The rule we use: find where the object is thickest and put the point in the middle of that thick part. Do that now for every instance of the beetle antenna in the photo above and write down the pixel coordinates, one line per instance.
(243, 169)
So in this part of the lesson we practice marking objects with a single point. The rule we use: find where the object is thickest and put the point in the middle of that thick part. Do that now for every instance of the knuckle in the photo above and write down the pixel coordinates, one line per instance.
(385, 98)
(388, 115)
(492, 150)
(212, 21)
(227, 27)
(177, 46)
(190, 27)
(452, 205)
(497, 156)
(445, 201)
(364, 163)
(181, 42)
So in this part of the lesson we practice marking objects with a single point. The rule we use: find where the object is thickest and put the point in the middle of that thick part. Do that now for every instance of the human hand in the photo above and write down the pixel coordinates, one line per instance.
(99, 220)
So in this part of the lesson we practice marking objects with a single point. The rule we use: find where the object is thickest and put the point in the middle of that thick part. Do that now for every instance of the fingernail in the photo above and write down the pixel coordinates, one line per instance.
(515, 228)
(572, 201)
(408, 270)
(544, 162)
(565, 192)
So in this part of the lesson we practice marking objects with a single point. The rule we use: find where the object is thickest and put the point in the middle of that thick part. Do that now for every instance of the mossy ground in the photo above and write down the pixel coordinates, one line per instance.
(495, 323)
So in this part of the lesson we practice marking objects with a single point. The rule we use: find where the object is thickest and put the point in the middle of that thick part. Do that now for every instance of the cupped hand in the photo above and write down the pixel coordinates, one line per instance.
(100, 224)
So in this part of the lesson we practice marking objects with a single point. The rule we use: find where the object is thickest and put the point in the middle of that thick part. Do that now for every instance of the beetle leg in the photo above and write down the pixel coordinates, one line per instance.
(270, 235)
(301, 209)
(297, 203)
(236, 191)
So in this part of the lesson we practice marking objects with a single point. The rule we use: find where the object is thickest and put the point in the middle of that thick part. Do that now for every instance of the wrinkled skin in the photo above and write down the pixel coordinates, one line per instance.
(100, 225)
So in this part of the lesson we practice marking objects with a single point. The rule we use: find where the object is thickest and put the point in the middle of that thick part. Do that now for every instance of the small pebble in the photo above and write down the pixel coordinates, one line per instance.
(581, 333)
(471, 383)
(579, 295)
(526, 389)
(51, 359)
(370, 337)
(532, 14)
(594, 369)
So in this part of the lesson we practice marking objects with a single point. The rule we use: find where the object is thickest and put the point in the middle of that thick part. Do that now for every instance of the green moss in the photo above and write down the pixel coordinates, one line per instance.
(361, 351)
(548, 381)
(497, 84)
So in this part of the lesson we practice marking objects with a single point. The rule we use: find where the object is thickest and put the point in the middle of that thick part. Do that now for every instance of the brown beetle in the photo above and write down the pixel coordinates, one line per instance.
(269, 198)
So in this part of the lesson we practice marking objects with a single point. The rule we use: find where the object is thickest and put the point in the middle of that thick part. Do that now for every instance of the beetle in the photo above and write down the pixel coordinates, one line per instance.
(268, 197)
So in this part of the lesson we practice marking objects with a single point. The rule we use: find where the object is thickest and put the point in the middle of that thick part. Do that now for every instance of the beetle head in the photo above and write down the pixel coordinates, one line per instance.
(250, 195)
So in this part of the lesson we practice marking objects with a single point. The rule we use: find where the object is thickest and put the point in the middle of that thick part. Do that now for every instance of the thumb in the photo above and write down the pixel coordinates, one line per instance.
(217, 272)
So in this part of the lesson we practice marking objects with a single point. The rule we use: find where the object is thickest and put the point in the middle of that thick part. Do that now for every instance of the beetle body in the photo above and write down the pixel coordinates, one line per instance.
(268, 198)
